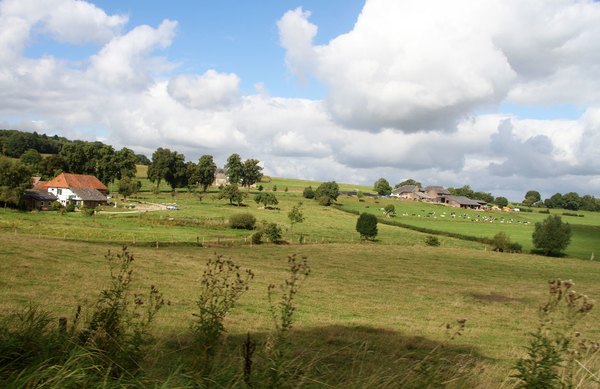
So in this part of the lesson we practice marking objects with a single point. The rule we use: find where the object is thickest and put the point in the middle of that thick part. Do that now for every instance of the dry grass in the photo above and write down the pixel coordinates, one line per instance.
(382, 305)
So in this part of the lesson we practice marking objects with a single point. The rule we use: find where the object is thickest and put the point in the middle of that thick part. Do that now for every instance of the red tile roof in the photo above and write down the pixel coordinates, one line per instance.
(67, 180)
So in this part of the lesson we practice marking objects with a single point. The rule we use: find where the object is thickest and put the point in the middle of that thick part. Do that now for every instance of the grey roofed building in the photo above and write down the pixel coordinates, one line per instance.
(38, 199)
(438, 189)
(89, 197)
(404, 189)
(463, 202)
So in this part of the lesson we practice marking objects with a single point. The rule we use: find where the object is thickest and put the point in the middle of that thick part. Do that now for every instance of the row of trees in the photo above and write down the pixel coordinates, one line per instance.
(171, 167)
(571, 201)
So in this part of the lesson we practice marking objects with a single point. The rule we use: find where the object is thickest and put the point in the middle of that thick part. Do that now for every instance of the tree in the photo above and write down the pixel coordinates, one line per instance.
(554, 202)
(571, 201)
(360, 195)
(160, 165)
(127, 187)
(487, 197)
(266, 198)
(308, 193)
(206, 167)
(231, 193)
(552, 235)
(532, 196)
(15, 178)
(382, 187)
(366, 225)
(389, 209)
(52, 166)
(590, 203)
(141, 159)
(192, 173)
(126, 161)
(327, 192)
(273, 232)
(464, 191)
(235, 168)
(501, 201)
(410, 181)
(296, 216)
(252, 173)
(31, 158)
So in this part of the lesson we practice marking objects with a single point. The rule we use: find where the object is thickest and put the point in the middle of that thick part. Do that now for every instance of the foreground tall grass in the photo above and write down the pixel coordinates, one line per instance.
(367, 316)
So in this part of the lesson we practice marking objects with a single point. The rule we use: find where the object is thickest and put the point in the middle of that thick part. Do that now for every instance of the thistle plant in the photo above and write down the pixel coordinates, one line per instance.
(282, 313)
(552, 353)
(222, 284)
(119, 323)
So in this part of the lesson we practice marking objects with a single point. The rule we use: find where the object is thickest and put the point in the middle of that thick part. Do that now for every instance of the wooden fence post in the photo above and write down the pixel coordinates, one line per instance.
(133, 239)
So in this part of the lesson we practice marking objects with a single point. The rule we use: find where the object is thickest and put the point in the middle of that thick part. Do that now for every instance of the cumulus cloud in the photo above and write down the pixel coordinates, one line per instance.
(417, 66)
(211, 90)
(405, 88)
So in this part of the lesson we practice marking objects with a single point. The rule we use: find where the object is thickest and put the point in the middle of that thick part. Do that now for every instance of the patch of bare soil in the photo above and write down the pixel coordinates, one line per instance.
(495, 298)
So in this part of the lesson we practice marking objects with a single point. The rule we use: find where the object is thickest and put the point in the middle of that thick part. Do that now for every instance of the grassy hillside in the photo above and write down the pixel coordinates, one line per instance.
(370, 315)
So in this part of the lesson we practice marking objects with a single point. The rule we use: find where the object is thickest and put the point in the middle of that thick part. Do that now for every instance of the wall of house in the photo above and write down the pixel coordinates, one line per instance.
(65, 196)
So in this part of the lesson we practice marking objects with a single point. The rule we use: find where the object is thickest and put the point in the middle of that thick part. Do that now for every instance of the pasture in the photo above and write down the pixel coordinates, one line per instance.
(368, 314)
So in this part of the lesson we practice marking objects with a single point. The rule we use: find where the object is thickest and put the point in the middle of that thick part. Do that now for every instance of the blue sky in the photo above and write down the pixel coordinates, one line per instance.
(497, 95)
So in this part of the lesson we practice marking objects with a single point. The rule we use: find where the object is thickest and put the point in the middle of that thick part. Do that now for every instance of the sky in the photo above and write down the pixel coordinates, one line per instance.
(501, 95)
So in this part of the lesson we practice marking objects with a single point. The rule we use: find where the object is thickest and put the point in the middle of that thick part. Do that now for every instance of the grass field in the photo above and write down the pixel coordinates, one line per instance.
(367, 315)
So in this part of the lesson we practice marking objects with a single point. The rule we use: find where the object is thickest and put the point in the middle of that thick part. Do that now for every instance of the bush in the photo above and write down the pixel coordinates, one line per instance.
(308, 193)
(273, 232)
(56, 205)
(70, 207)
(501, 242)
(546, 211)
(274, 188)
(87, 212)
(328, 189)
(366, 225)
(244, 221)
(516, 247)
(256, 238)
(324, 200)
(432, 241)
(552, 235)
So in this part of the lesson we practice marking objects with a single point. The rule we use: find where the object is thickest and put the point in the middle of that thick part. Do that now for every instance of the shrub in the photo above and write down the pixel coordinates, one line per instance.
(366, 225)
(324, 200)
(119, 322)
(501, 242)
(431, 240)
(552, 235)
(286, 189)
(70, 207)
(221, 286)
(328, 189)
(308, 193)
(260, 188)
(516, 247)
(273, 232)
(274, 188)
(56, 205)
(244, 221)
(86, 212)
(256, 238)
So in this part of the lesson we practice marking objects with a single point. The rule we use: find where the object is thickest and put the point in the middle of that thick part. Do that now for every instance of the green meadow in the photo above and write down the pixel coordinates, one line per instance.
(371, 314)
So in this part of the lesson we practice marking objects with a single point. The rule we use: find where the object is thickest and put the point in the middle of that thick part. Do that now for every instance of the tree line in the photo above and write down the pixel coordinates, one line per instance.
(571, 201)
(171, 167)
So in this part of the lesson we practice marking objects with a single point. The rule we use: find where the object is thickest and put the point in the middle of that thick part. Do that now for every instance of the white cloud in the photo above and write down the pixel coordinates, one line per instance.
(211, 90)
(427, 65)
(404, 87)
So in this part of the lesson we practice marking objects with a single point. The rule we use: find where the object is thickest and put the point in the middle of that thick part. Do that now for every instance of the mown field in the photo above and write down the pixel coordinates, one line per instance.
(367, 314)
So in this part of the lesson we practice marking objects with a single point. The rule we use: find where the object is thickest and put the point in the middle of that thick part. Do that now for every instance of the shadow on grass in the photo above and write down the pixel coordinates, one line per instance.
(353, 356)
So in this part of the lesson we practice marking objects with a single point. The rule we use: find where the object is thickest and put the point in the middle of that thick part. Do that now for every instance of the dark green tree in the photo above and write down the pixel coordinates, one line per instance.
(162, 162)
(252, 173)
(266, 199)
(571, 201)
(554, 202)
(235, 169)
(501, 202)
(126, 161)
(141, 159)
(590, 203)
(464, 191)
(51, 166)
(127, 187)
(31, 158)
(308, 193)
(382, 187)
(15, 178)
(176, 175)
(487, 197)
(207, 168)
(366, 225)
(192, 172)
(327, 192)
(552, 235)
(232, 193)
(410, 181)
(533, 196)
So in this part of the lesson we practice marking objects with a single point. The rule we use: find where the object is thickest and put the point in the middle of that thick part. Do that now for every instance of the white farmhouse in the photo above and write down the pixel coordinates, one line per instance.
(77, 189)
